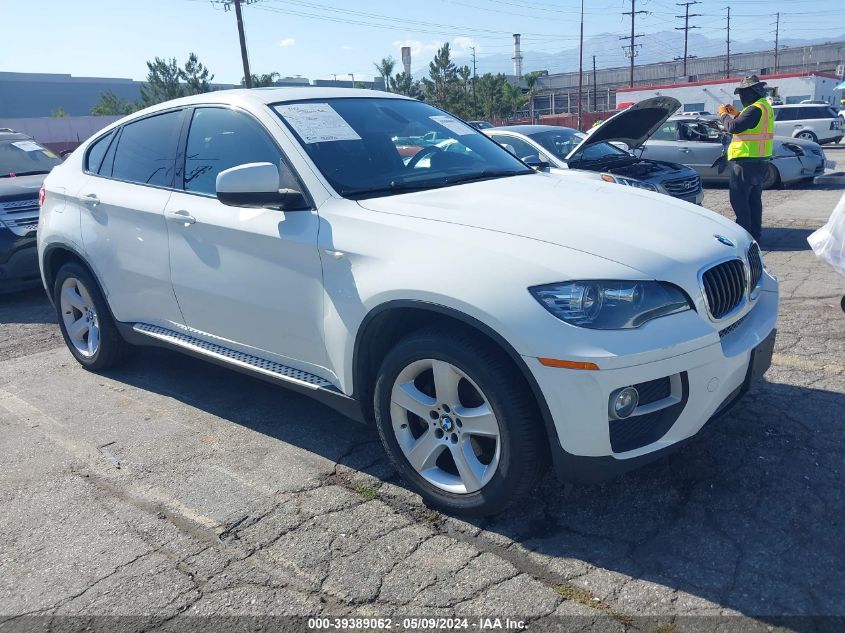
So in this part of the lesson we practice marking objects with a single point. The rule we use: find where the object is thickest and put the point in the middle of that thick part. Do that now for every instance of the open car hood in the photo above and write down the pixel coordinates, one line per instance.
(632, 126)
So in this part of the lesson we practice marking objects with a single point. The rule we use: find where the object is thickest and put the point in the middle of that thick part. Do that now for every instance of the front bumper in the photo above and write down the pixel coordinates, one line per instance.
(18, 261)
(705, 383)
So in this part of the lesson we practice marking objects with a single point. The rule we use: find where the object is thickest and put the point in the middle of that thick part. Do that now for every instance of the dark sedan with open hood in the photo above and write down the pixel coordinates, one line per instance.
(602, 150)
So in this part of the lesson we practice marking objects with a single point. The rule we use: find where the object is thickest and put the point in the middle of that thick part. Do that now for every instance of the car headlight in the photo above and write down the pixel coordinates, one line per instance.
(628, 182)
(611, 305)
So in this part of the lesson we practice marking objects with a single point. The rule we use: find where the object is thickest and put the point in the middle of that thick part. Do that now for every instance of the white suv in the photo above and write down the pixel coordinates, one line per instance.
(813, 122)
(486, 317)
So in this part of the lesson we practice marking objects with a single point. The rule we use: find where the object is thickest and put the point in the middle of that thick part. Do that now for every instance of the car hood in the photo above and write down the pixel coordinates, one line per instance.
(632, 126)
(21, 186)
(652, 233)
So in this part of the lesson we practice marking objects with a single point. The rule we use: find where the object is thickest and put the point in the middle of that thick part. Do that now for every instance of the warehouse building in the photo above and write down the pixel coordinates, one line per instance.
(706, 96)
(558, 93)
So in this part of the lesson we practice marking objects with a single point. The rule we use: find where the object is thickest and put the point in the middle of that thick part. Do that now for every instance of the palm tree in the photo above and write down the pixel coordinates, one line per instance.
(531, 81)
(385, 69)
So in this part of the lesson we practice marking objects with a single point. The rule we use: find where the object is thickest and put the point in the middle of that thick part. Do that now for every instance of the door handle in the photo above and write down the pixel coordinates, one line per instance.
(181, 216)
(90, 200)
(685, 150)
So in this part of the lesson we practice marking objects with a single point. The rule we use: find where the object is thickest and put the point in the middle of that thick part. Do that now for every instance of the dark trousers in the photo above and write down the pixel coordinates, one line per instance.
(747, 176)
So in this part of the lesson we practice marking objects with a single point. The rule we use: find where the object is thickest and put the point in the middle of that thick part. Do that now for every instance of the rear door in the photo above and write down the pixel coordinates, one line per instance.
(249, 277)
(131, 173)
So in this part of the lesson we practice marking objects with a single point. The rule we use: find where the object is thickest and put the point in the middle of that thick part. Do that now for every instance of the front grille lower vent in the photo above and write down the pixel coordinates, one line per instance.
(724, 287)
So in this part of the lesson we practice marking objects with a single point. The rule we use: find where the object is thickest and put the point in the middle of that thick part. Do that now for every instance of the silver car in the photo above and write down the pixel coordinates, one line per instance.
(700, 143)
(810, 121)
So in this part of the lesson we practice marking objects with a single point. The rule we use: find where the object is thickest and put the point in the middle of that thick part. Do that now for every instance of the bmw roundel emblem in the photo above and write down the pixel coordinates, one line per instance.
(723, 240)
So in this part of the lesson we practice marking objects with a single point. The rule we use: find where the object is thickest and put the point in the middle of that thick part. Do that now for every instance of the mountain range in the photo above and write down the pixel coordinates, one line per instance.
(607, 47)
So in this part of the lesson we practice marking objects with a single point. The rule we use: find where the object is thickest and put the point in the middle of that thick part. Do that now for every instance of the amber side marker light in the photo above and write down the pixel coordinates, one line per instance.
(568, 364)
(607, 178)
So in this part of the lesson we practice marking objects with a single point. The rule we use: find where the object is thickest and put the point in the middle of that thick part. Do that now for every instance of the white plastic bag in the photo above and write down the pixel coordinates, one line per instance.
(828, 243)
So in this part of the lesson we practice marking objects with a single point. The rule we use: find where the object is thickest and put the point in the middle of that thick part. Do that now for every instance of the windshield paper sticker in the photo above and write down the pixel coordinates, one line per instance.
(452, 124)
(317, 122)
(28, 146)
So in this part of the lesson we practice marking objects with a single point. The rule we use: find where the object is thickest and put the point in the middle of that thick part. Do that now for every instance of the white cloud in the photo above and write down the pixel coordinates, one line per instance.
(418, 47)
(288, 41)
(463, 46)
(347, 48)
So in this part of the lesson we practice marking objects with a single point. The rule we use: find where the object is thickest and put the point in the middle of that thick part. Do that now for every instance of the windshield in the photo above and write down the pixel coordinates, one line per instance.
(375, 147)
(25, 157)
(559, 142)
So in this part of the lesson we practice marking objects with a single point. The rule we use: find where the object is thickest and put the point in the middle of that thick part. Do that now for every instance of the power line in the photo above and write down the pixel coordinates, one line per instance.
(686, 27)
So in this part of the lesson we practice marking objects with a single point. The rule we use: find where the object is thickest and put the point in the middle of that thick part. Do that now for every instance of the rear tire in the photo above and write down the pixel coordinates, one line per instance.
(453, 403)
(807, 136)
(85, 319)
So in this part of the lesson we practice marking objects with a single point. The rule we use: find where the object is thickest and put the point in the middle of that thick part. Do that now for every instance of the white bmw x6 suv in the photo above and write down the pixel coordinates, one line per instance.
(486, 317)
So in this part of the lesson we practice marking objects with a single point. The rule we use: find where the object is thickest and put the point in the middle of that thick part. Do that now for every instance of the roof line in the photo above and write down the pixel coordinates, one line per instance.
(725, 80)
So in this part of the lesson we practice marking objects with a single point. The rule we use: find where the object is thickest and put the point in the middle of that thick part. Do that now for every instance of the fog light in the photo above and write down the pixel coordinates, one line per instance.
(623, 402)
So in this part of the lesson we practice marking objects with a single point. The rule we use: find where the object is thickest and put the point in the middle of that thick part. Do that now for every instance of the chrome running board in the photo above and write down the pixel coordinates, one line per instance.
(233, 357)
(271, 371)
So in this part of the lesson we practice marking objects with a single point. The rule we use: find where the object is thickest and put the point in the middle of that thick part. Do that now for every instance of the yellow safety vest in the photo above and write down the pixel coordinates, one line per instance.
(758, 142)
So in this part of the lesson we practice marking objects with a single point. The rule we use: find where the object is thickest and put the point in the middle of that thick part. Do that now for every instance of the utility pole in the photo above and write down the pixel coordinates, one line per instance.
(581, 66)
(728, 42)
(686, 27)
(632, 46)
(241, 37)
(474, 104)
(595, 87)
(777, 33)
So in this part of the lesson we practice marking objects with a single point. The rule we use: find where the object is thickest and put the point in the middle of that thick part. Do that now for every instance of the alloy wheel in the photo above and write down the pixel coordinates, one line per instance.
(80, 317)
(445, 426)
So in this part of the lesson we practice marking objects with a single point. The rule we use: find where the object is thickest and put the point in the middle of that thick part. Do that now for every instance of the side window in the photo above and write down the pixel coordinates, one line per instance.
(665, 133)
(146, 150)
(521, 149)
(785, 114)
(220, 138)
(96, 153)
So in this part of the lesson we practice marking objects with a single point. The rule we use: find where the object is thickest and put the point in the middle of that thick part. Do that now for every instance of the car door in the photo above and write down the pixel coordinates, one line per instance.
(124, 233)
(701, 147)
(663, 145)
(251, 278)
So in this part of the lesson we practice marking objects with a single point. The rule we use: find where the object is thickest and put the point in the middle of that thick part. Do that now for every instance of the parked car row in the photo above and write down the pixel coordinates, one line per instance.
(487, 317)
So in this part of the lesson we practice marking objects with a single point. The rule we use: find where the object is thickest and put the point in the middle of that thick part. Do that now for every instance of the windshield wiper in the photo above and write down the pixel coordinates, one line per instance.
(490, 173)
(397, 186)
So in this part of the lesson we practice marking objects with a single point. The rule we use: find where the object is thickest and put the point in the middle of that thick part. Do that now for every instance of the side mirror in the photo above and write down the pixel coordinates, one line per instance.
(257, 186)
(534, 162)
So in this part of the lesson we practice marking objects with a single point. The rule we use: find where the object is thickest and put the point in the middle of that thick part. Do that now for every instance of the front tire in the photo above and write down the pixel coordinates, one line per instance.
(85, 320)
(458, 422)
(807, 136)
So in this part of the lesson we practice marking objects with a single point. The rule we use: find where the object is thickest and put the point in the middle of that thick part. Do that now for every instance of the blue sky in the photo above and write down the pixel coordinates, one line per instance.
(316, 38)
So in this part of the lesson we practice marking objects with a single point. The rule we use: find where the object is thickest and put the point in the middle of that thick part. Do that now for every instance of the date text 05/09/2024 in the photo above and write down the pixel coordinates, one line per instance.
(423, 623)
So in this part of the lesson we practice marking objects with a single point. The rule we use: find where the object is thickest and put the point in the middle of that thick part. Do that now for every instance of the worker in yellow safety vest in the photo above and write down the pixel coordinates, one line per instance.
(750, 151)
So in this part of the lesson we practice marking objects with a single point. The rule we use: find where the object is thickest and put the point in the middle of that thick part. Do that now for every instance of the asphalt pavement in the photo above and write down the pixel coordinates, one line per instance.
(171, 487)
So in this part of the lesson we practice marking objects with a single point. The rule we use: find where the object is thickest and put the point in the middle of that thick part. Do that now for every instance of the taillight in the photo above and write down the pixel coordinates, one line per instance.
(41, 195)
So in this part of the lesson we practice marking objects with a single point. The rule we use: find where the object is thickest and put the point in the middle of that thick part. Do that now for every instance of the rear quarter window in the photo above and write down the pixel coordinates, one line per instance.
(146, 150)
(96, 153)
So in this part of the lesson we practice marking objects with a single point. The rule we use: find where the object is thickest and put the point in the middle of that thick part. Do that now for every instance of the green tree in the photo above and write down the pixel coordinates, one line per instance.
(59, 113)
(385, 69)
(196, 76)
(404, 84)
(112, 105)
(442, 84)
(162, 82)
(266, 80)
(490, 95)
